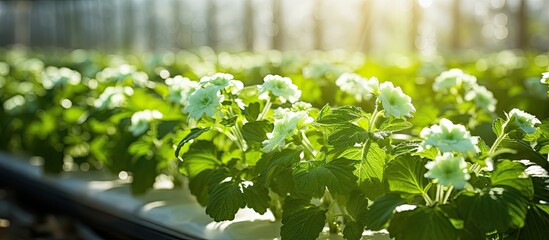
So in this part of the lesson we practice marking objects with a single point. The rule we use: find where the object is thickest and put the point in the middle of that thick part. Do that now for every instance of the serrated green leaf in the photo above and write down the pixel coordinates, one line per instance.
(345, 114)
(371, 166)
(512, 175)
(202, 155)
(256, 132)
(382, 210)
(353, 230)
(347, 135)
(251, 112)
(195, 132)
(225, 199)
(336, 175)
(498, 208)
(537, 223)
(357, 206)
(405, 174)
(165, 127)
(144, 175)
(300, 221)
(422, 223)
(257, 197)
(354, 153)
(199, 186)
(394, 124)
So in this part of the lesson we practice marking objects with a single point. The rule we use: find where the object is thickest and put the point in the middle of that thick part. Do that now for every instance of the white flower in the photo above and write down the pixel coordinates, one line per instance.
(448, 170)
(15, 104)
(545, 78)
(140, 121)
(203, 101)
(484, 99)
(235, 86)
(113, 97)
(4, 69)
(281, 87)
(285, 126)
(357, 86)
(453, 78)
(220, 80)
(524, 121)
(449, 137)
(394, 101)
(53, 77)
(180, 88)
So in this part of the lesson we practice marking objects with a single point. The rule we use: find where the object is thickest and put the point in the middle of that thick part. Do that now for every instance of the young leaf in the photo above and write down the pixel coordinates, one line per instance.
(405, 174)
(224, 201)
(497, 127)
(422, 223)
(229, 122)
(257, 197)
(301, 220)
(195, 132)
(382, 210)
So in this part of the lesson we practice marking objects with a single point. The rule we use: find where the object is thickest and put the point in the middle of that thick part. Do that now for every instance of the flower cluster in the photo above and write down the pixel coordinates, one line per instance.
(203, 101)
(448, 169)
(113, 97)
(180, 88)
(453, 79)
(53, 77)
(122, 72)
(449, 137)
(140, 121)
(483, 98)
(281, 87)
(357, 86)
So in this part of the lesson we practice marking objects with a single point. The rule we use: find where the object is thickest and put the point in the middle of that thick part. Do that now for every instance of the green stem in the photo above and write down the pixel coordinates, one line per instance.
(448, 192)
(307, 144)
(265, 109)
(425, 196)
(375, 114)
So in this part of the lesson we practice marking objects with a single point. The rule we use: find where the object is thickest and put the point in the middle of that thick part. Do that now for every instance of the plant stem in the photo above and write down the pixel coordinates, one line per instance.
(265, 109)
(438, 198)
(307, 144)
(374, 117)
(448, 192)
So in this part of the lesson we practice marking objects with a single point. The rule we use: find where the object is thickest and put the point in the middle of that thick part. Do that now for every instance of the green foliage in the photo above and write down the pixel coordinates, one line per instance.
(301, 220)
(422, 223)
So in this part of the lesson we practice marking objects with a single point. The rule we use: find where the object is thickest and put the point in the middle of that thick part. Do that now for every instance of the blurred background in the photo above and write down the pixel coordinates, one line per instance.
(372, 26)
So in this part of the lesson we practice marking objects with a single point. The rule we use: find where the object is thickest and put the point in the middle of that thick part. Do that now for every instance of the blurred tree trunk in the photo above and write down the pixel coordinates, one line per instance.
(523, 25)
(129, 26)
(22, 22)
(249, 25)
(416, 16)
(364, 41)
(277, 25)
(317, 21)
(212, 24)
(456, 15)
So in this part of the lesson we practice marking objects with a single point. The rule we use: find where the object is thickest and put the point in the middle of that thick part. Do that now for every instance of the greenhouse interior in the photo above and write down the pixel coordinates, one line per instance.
(274, 119)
